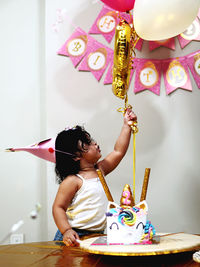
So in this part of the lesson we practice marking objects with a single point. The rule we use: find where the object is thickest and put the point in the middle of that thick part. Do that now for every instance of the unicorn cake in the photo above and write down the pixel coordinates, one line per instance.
(128, 224)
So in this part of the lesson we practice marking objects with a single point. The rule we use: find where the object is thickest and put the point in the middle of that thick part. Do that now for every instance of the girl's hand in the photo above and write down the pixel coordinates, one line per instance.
(70, 237)
(129, 117)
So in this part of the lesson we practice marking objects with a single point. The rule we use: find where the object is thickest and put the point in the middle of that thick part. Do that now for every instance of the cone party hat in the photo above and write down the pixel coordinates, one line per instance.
(44, 149)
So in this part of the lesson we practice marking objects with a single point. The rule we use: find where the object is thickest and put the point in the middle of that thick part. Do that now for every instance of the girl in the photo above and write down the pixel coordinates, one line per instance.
(80, 204)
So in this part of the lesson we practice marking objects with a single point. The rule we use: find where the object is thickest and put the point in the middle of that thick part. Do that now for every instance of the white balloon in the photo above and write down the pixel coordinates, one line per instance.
(163, 19)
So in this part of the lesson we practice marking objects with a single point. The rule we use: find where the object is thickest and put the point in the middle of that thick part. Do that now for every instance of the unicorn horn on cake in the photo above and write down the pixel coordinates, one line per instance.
(127, 197)
(44, 149)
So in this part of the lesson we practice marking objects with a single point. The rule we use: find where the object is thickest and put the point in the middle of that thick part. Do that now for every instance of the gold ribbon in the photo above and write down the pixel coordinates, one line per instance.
(105, 186)
(145, 184)
(134, 128)
(133, 164)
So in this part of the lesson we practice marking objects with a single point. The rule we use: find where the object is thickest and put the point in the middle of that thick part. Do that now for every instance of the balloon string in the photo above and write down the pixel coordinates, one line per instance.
(126, 101)
(134, 165)
(119, 15)
(134, 130)
(134, 39)
(134, 126)
(123, 110)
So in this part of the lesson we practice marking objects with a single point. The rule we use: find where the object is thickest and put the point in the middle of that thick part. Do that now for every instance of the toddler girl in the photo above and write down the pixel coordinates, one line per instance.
(80, 204)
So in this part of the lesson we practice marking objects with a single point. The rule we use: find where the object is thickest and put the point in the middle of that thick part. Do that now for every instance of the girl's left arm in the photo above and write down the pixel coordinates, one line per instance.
(110, 162)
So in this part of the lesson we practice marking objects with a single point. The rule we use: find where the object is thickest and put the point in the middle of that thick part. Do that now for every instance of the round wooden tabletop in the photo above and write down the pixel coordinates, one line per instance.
(167, 244)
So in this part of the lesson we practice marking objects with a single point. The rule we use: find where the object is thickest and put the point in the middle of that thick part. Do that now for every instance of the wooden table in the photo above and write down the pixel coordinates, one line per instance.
(41, 254)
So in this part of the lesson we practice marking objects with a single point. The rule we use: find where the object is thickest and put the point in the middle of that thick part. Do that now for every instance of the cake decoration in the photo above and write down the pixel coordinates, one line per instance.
(128, 225)
(127, 198)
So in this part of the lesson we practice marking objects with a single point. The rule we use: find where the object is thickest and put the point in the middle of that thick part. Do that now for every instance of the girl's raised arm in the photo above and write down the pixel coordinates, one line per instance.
(110, 162)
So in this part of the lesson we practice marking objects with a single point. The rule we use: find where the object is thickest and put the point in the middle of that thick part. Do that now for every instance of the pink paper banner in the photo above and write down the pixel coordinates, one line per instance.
(176, 74)
(105, 24)
(97, 59)
(107, 21)
(147, 77)
(199, 13)
(139, 44)
(126, 17)
(109, 77)
(191, 33)
(193, 61)
(169, 43)
(76, 46)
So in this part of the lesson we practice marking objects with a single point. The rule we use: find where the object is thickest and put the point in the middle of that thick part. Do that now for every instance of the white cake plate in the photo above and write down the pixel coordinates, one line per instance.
(168, 244)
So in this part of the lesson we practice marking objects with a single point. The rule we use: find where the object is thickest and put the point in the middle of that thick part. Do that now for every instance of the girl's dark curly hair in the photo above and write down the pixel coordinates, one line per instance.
(70, 141)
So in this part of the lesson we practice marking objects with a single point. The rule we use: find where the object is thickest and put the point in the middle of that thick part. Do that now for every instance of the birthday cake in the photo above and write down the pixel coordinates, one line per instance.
(128, 224)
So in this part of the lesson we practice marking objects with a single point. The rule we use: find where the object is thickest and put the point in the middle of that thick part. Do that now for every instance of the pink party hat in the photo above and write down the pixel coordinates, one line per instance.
(44, 149)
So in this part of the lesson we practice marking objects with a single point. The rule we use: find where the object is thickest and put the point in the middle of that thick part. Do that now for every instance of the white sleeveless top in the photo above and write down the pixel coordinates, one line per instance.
(88, 207)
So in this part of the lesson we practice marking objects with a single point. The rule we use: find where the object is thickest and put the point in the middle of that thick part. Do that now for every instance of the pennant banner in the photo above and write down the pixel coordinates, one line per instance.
(190, 34)
(105, 24)
(97, 59)
(176, 75)
(91, 55)
(108, 19)
(193, 61)
(76, 46)
(148, 74)
(169, 43)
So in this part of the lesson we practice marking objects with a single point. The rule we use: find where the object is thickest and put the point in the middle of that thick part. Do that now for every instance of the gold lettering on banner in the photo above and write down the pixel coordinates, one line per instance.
(176, 74)
(77, 46)
(197, 63)
(107, 22)
(148, 74)
(96, 60)
(192, 32)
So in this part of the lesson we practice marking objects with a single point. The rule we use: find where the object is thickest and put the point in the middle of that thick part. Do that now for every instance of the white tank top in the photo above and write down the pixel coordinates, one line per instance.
(88, 207)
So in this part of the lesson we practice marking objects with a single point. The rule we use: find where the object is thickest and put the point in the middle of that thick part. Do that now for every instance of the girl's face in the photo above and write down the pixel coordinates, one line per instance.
(92, 153)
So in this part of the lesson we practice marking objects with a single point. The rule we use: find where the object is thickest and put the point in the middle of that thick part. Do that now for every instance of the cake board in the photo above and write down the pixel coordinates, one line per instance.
(168, 244)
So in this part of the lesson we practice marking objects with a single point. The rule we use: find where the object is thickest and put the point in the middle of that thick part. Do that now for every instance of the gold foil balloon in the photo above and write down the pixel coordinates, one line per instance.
(127, 198)
(122, 59)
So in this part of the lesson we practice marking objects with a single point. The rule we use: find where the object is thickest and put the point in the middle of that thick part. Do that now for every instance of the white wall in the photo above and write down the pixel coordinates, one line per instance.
(41, 98)
(23, 177)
